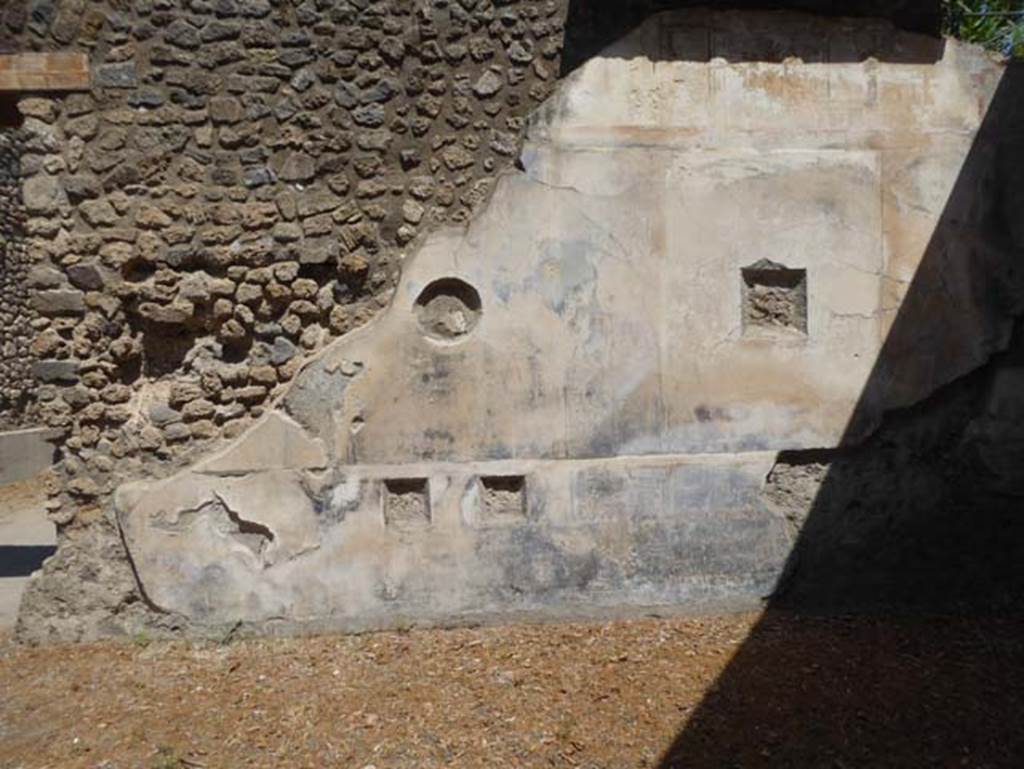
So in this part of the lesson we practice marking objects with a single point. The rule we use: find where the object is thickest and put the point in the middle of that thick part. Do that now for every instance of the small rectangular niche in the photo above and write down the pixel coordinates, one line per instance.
(406, 502)
(774, 300)
(502, 497)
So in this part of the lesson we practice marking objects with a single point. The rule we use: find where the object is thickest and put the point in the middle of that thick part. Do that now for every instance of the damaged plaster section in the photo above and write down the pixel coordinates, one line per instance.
(277, 442)
(216, 515)
(571, 405)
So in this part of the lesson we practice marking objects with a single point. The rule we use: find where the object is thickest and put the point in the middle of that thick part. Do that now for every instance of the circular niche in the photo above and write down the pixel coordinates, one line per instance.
(448, 309)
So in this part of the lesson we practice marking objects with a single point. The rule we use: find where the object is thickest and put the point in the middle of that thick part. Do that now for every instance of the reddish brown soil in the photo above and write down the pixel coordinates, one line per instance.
(779, 691)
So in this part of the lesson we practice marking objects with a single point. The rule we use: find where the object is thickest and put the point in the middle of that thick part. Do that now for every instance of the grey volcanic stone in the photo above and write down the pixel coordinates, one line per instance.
(42, 194)
(121, 75)
(81, 187)
(59, 302)
(162, 414)
(369, 115)
(488, 84)
(257, 177)
(43, 276)
(62, 371)
(183, 35)
(298, 167)
(86, 276)
(282, 351)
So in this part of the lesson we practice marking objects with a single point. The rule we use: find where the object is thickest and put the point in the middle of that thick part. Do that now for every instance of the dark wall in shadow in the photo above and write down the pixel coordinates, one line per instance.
(925, 517)
(593, 24)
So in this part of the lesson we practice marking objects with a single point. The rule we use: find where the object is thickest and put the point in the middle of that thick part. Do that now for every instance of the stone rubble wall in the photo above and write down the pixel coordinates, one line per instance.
(16, 312)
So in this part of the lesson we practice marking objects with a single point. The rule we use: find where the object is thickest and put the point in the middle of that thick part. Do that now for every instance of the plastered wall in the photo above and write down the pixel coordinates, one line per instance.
(573, 404)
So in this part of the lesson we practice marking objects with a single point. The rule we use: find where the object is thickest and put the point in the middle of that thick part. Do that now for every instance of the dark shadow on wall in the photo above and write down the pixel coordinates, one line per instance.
(591, 25)
(918, 529)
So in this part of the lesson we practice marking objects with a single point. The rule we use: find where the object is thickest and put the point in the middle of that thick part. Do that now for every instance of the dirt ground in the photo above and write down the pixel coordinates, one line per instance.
(739, 691)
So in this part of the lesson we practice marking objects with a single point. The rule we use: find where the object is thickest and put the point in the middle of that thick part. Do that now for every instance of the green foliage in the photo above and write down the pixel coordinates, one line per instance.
(996, 24)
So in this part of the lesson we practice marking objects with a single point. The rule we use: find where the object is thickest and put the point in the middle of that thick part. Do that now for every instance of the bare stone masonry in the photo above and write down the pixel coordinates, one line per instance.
(17, 312)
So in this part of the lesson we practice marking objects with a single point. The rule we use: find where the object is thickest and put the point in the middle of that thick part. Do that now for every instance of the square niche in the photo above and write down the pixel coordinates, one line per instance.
(774, 300)
(502, 498)
(406, 502)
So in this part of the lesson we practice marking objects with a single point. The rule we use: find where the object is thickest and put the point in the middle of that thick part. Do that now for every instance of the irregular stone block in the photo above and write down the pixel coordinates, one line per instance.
(42, 195)
(62, 371)
(276, 442)
(120, 75)
(59, 302)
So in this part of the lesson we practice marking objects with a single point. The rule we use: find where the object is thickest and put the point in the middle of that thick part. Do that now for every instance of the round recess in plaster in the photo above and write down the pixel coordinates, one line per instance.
(448, 309)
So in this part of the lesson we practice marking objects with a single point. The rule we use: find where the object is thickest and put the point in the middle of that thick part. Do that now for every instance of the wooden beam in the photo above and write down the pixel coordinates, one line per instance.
(44, 72)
